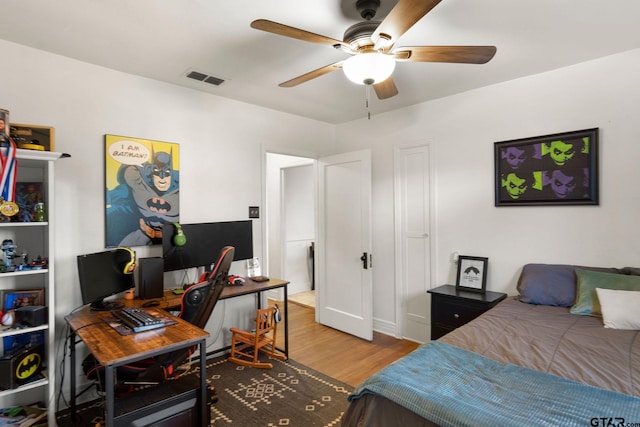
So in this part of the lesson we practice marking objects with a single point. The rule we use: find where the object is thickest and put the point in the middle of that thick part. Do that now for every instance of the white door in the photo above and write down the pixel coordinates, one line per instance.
(413, 241)
(344, 292)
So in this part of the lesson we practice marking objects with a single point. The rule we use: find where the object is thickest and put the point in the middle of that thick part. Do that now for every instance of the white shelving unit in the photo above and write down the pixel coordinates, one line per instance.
(36, 239)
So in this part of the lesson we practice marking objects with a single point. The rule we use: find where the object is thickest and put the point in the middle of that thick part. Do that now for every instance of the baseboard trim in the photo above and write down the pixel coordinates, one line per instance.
(385, 327)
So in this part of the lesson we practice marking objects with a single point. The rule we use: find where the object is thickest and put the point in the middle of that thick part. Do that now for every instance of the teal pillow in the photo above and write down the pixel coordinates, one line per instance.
(587, 281)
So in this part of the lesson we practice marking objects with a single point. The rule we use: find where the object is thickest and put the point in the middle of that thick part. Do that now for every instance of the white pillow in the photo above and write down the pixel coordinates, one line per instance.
(620, 308)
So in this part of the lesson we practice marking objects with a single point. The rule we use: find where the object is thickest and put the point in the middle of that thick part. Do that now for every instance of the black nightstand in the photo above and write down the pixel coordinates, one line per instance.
(451, 308)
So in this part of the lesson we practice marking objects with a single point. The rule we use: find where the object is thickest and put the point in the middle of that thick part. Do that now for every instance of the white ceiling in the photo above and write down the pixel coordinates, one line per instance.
(164, 39)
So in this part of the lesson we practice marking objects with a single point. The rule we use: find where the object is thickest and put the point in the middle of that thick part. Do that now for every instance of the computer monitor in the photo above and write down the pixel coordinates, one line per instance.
(104, 274)
(204, 242)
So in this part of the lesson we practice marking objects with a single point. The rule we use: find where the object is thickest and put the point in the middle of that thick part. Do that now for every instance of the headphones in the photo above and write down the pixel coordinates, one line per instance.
(130, 262)
(179, 239)
(277, 317)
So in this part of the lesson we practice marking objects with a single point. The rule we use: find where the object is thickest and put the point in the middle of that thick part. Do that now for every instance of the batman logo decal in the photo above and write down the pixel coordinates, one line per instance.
(159, 205)
(28, 366)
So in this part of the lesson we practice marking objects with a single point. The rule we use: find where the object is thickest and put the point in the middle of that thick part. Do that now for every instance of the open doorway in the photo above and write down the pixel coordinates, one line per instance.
(291, 218)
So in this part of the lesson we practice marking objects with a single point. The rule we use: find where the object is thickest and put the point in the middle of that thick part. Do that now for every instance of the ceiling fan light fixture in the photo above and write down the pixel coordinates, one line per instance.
(369, 68)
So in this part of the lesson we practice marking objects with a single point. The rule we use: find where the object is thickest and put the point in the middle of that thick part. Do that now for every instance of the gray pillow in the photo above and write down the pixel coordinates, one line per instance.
(555, 284)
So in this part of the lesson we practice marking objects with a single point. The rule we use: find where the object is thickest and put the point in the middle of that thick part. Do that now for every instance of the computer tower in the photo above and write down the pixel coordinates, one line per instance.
(174, 403)
(151, 279)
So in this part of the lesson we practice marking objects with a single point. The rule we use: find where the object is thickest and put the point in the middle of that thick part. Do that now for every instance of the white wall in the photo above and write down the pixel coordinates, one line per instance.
(222, 145)
(461, 130)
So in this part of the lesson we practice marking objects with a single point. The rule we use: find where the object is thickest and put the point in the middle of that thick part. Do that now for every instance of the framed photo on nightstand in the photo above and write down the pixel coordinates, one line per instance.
(472, 273)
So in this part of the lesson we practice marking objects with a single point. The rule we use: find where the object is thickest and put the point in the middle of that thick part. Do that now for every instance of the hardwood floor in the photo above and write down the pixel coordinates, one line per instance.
(337, 354)
(305, 298)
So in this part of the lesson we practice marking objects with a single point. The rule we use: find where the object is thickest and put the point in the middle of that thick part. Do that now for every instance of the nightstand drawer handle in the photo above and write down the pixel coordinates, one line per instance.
(456, 316)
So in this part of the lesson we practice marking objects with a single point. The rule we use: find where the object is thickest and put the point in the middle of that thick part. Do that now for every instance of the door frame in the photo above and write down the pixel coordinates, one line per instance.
(265, 214)
(265, 234)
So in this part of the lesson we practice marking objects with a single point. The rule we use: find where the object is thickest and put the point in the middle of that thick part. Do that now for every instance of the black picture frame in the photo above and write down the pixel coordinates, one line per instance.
(472, 273)
(556, 169)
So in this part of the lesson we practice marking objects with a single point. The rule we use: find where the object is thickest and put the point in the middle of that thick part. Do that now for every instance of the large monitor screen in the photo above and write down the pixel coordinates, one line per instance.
(101, 275)
(204, 242)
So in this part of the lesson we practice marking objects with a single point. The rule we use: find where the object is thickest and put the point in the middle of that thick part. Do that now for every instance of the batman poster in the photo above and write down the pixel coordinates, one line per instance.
(142, 190)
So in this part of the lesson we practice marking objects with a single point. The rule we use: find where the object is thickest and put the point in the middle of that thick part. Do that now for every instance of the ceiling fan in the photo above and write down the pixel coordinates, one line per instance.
(371, 46)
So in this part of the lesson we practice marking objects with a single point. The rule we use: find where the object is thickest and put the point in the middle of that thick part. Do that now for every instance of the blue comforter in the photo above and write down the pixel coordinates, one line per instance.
(454, 387)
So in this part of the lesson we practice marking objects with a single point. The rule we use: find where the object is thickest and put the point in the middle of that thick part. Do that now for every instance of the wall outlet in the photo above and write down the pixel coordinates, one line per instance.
(254, 212)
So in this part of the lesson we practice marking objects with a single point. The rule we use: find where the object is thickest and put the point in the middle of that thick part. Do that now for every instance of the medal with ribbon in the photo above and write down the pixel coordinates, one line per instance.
(9, 165)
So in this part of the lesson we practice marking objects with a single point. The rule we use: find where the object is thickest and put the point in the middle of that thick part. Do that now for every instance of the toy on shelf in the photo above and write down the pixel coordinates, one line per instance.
(8, 262)
(9, 249)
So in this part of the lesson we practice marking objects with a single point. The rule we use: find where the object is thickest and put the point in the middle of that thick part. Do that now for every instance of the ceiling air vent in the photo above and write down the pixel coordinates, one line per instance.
(201, 77)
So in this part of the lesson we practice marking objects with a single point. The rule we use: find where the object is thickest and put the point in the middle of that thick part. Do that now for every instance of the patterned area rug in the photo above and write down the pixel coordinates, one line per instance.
(289, 394)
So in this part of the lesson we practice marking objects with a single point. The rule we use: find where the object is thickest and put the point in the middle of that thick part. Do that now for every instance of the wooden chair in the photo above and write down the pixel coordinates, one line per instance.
(246, 346)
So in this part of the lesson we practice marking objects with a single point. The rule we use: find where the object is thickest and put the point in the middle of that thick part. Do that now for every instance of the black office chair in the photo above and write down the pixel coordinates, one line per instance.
(197, 305)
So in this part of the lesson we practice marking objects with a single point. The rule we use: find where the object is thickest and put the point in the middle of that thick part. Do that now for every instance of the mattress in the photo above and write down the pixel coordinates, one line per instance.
(542, 338)
(550, 339)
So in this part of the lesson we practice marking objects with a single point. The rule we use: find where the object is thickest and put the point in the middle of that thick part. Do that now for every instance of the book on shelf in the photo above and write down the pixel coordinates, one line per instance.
(23, 416)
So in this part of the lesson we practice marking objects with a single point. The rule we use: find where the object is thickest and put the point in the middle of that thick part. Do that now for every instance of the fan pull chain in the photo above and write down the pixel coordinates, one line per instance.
(366, 100)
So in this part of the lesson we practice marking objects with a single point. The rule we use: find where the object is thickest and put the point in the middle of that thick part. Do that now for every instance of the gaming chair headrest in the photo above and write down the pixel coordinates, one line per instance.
(220, 271)
(125, 259)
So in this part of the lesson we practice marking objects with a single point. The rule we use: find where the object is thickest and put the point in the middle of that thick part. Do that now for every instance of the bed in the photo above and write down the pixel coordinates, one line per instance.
(564, 351)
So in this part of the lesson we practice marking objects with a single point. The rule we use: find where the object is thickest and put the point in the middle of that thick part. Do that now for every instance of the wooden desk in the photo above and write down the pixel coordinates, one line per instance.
(171, 300)
(112, 350)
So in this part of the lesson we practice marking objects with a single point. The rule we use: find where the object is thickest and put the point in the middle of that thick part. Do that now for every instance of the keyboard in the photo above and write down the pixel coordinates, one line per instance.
(138, 319)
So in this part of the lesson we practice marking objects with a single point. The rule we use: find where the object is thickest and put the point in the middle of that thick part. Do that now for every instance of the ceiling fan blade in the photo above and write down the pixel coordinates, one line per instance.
(296, 33)
(399, 20)
(312, 75)
(386, 88)
(454, 54)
